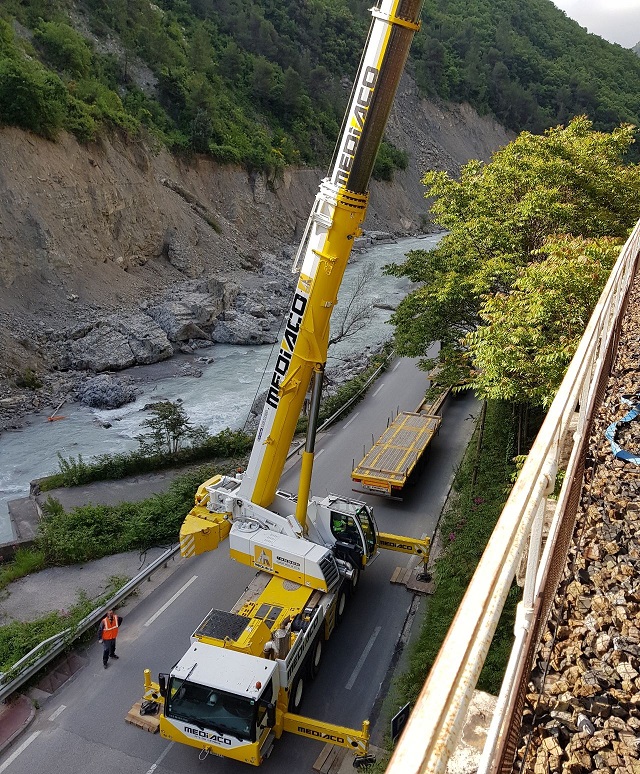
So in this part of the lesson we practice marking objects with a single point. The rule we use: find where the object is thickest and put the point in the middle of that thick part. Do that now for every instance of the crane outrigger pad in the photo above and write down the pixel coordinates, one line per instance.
(149, 723)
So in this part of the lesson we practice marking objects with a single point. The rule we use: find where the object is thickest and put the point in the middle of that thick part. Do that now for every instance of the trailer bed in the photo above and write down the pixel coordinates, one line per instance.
(391, 460)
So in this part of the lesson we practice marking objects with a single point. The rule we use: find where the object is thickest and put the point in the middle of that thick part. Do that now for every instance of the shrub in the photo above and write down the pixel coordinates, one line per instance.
(24, 563)
(105, 104)
(31, 98)
(388, 159)
(79, 120)
(93, 531)
(29, 379)
(225, 154)
(64, 48)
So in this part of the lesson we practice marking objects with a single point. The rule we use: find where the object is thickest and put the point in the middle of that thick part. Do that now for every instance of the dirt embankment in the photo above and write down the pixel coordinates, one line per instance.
(87, 230)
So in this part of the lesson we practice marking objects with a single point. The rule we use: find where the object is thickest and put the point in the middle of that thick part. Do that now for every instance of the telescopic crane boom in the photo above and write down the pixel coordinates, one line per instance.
(240, 684)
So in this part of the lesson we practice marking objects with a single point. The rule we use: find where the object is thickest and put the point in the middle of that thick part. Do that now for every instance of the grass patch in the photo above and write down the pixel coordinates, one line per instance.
(25, 561)
(19, 638)
(112, 467)
(93, 531)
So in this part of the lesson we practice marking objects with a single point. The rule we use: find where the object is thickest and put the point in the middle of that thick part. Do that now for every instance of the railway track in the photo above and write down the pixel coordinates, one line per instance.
(582, 709)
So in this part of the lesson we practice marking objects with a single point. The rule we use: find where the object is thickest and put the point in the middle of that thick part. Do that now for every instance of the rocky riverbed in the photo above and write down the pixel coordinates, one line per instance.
(100, 361)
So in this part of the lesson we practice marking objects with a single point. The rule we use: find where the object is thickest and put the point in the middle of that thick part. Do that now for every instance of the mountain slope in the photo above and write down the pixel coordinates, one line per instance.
(88, 230)
(264, 82)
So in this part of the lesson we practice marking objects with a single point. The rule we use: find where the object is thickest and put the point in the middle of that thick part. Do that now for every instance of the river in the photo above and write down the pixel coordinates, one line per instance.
(220, 398)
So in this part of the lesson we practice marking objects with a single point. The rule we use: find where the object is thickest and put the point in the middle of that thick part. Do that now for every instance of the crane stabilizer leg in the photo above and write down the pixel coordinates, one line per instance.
(357, 741)
(202, 531)
(407, 545)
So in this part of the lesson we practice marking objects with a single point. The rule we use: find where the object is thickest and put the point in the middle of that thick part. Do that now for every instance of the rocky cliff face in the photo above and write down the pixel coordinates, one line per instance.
(116, 254)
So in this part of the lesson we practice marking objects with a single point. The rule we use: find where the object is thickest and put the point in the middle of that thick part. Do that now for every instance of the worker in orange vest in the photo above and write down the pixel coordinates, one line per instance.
(107, 634)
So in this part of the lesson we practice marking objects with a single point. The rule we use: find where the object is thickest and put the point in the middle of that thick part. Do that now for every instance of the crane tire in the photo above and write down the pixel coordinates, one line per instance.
(297, 693)
(316, 657)
(355, 579)
(341, 604)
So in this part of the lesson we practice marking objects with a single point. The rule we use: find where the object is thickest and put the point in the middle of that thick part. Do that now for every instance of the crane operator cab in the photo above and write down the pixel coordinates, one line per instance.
(346, 526)
(353, 531)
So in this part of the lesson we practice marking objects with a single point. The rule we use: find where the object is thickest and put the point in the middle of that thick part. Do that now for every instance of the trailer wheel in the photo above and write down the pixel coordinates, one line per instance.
(297, 692)
(316, 658)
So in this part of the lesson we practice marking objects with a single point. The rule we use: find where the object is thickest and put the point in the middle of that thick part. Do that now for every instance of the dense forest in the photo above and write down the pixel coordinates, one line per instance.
(265, 82)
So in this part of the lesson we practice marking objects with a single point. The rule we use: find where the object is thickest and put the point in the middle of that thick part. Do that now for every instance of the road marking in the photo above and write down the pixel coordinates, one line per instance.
(173, 599)
(396, 366)
(362, 659)
(378, 390)
(60, 709)
(319, 453)
(353, 418)
(159, 761)
(20, 749)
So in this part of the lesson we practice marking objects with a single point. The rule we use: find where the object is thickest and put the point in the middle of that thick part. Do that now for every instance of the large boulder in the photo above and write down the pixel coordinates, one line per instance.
(177, 320)
(189, 310)
(118, 342)
(105, 392)
(243, 328)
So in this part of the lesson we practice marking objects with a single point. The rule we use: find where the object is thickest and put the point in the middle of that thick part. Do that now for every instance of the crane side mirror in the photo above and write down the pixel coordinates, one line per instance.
(271, 714)
(162, 682)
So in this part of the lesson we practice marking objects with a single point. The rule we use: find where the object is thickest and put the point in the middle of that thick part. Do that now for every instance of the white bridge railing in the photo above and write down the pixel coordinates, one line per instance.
(434, 727)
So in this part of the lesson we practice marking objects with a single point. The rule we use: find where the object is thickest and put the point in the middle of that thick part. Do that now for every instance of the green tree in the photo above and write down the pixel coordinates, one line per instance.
(527, 337)
(169, 429)
(499, 215)
(31, 97)
(201, 51)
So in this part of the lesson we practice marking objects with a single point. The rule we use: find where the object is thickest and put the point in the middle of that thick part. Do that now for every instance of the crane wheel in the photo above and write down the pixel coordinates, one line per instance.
(316, 657)
(297, 692)
(355, 580)
(341, 604)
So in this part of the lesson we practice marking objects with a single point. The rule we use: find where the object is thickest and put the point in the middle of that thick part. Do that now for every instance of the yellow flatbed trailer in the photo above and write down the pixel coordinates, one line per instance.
(385, 469)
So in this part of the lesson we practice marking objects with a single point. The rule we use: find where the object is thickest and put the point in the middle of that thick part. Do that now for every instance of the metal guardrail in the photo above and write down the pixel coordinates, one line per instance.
(434, 727)
(28, 666)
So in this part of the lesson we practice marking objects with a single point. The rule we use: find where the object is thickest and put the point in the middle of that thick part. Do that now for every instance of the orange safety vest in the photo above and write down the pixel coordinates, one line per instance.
(109, 628)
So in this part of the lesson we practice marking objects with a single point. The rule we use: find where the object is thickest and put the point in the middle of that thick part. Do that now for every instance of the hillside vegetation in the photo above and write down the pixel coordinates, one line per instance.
(265, 82)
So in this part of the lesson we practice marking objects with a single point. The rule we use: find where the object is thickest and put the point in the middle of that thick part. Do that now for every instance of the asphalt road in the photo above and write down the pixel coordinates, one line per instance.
(81, 729)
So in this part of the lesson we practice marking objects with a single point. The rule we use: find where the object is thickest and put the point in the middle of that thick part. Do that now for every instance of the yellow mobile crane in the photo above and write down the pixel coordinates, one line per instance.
(240, 684)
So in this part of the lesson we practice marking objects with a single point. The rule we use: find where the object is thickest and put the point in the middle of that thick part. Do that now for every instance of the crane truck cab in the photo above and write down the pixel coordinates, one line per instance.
(241, 682)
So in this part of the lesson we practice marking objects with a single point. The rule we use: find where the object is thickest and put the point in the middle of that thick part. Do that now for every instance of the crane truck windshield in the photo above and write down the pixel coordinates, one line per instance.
(220, 711)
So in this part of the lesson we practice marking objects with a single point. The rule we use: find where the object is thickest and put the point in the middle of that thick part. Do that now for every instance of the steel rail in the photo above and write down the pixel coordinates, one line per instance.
(434, 727)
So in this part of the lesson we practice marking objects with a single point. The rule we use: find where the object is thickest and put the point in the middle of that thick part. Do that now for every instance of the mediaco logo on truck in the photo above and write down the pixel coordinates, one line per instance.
(207, 735)
(320, 735)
